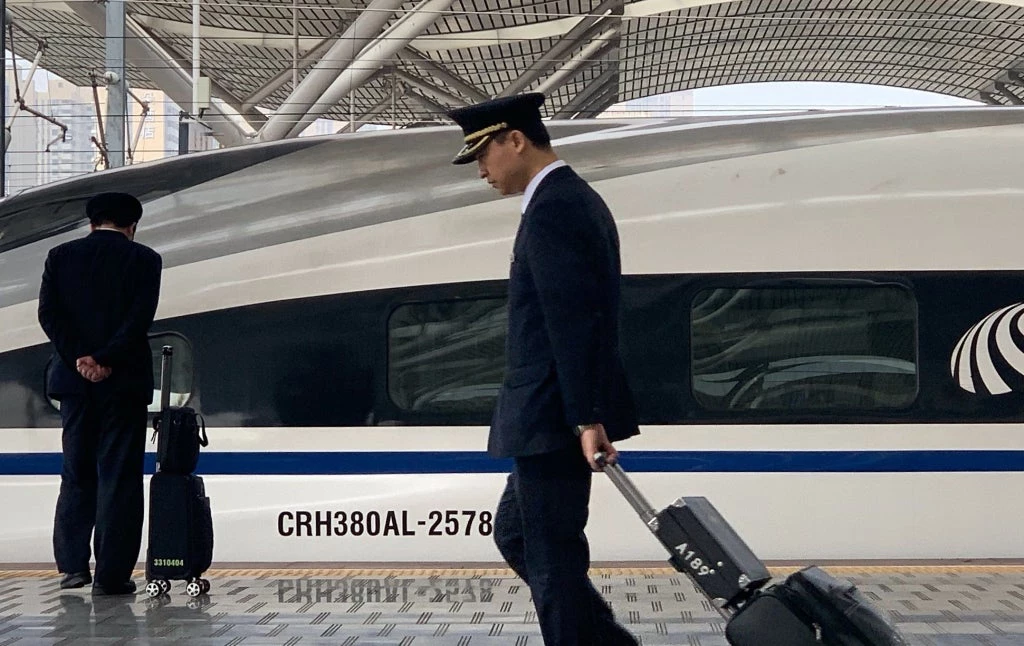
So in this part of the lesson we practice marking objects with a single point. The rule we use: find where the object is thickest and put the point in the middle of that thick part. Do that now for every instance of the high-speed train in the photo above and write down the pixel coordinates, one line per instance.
(823, 328)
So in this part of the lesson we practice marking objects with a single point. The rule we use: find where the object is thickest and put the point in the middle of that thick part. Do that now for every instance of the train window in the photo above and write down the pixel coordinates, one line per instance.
(182, 370)
(447, 357)
(804, 348)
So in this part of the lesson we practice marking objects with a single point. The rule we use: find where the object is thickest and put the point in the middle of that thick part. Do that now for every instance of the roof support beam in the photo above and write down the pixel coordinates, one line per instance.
(582, 32)
(610, 77)
(431, 89)
(435, 111)
(164, 71)
(380, 106)
(422, 61)
(408, 55)
(373, 57)
(601, 102)
(594, 49)
(989, 98)
(285, 75)
(237, 36)
(552, 28)
(334, 62)
(435, 42)
(253, 118)
(1009, 94)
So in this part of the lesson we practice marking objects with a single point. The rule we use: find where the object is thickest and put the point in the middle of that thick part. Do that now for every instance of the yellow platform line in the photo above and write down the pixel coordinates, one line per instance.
(428, 572)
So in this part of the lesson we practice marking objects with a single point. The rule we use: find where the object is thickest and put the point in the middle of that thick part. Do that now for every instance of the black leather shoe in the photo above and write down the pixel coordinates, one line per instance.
(127, 587)
(75, 580)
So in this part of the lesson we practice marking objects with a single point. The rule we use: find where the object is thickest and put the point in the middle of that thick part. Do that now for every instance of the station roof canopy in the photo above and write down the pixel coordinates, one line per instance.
(390, 61)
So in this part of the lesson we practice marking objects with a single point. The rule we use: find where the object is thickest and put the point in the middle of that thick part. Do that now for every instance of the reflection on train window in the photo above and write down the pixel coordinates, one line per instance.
(447, 357)
(804, 348)
(182, 370)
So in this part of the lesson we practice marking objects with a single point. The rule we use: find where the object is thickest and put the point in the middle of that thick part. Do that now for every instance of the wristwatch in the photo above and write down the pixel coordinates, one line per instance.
(578, 430)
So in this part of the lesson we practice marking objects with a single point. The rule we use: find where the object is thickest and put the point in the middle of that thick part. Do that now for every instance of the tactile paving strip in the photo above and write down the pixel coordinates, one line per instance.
(933, 606)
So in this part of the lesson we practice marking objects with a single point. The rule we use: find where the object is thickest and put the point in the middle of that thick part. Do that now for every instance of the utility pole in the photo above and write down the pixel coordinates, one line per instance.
(3, 99)
(182, 131)
(117, 84)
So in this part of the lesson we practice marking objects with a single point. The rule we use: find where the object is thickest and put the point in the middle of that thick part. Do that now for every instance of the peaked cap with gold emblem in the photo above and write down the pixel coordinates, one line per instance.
(482, 121)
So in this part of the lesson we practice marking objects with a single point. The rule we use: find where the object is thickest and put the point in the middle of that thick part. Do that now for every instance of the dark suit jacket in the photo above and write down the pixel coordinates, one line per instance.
(98, 298)
(562, 349)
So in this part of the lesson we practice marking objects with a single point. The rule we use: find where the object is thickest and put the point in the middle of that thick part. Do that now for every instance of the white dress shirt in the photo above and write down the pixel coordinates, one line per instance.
(532, 186)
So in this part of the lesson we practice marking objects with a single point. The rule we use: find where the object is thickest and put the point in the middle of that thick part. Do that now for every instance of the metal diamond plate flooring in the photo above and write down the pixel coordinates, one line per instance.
(933, 606)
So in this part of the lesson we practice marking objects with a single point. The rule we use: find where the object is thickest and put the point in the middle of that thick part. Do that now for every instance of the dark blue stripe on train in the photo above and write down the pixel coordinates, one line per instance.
(419, 462)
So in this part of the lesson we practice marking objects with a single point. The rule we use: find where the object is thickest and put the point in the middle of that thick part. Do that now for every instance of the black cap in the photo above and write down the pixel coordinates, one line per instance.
(122, 209)
(482, 121)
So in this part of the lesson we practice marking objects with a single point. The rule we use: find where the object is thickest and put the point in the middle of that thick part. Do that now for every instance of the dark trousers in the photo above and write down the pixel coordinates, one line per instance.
(100, 486)
(539, 531)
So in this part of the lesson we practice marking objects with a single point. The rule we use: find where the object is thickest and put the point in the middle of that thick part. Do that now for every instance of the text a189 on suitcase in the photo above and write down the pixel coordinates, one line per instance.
(180, 523)
(809, 608)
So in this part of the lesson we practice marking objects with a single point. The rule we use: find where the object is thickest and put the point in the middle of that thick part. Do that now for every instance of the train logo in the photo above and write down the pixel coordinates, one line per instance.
(989, 358)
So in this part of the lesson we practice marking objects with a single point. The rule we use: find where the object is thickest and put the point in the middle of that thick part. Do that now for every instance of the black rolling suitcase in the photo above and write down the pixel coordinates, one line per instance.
(701, 544)
(180, 523)
(810, 608)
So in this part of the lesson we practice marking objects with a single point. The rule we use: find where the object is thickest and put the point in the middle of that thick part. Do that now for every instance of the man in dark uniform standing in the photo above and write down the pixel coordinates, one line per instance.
(565, 395)
(97, 301)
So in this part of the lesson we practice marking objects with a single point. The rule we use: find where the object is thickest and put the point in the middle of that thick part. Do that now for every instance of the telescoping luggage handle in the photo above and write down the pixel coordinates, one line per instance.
(628, 490)
(166, 354)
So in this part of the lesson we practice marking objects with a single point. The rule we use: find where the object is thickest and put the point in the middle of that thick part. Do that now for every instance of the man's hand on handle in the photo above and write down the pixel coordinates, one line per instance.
(593, 440)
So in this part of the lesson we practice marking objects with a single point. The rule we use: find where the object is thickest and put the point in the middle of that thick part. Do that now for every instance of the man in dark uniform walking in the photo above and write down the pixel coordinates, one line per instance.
(565, 395)
(97, 301)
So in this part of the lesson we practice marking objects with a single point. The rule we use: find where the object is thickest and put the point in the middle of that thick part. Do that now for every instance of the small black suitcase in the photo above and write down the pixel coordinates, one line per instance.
(701, 543)
(811, 608)
(180, 534)
(180, 522)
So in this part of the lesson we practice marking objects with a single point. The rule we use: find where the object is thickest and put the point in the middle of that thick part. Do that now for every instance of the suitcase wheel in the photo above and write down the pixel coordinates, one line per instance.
(154, 589)
(197, 587)
(165, 585)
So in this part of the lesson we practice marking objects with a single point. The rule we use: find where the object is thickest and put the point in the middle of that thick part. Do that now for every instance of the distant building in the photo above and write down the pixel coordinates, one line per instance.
(38, 154)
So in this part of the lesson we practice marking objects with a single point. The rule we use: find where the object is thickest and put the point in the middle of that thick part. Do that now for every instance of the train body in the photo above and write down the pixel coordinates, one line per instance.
(823, 327)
